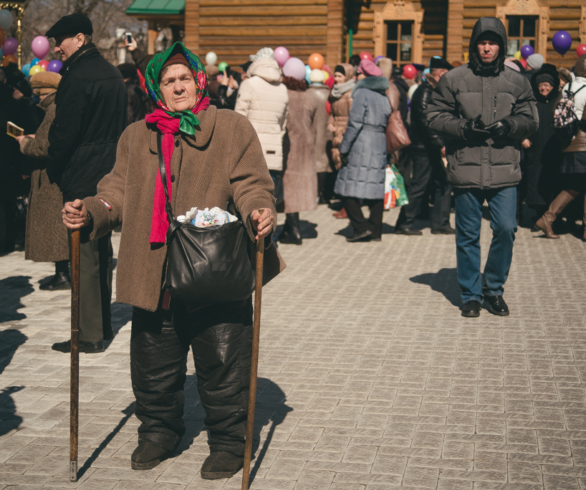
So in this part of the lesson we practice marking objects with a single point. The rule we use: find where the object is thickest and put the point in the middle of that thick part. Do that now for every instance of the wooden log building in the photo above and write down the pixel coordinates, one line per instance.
(404, 30)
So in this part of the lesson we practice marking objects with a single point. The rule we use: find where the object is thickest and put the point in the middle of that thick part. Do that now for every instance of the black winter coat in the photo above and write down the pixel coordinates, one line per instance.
(493, 92)
(139, 104)
(90, 117)
(423, 139)
(543, 158)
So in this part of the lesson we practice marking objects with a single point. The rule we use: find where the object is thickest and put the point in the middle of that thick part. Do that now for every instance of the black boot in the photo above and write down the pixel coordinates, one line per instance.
(85, 347)
(291, 231)
(60, 281)
(148, 455)
(221, 464)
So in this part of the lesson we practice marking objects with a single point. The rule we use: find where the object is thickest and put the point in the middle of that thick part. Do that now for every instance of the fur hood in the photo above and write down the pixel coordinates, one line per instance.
(376, 84)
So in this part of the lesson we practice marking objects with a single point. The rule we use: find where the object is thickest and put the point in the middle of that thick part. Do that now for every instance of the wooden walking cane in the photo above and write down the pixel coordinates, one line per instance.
(74, 395)
(260, 252)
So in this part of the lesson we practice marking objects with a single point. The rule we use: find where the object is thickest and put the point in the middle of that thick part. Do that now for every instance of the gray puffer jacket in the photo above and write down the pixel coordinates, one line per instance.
(365, 144)
(496, 92)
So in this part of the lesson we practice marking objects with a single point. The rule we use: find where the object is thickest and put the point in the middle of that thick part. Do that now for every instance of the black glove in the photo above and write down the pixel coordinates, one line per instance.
(499, 129)
(474, 130)
(344, 159)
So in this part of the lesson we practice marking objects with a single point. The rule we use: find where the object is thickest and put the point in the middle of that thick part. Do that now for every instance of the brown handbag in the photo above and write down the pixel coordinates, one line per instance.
(396, 132)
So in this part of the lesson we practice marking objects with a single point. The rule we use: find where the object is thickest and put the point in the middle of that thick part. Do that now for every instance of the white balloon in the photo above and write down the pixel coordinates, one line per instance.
(211, 58)
(5, 19)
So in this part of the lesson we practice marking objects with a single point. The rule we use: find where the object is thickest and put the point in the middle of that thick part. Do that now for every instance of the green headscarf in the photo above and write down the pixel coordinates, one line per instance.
(188, 119)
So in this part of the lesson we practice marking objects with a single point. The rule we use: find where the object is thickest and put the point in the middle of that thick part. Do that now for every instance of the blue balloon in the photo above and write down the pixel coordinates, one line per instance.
(26, 69)
(1, 54)
(34, 62)
(307, 73)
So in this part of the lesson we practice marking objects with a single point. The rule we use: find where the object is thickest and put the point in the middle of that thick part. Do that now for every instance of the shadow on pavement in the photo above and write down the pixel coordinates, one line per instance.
(444, 281)
(270, 410)
(12, 289)
(128, 411)
(10, 341)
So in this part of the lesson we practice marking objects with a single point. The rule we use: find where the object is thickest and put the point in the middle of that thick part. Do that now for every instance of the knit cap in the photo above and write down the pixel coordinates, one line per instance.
(535, 61)
(264, 53)
(45, 82)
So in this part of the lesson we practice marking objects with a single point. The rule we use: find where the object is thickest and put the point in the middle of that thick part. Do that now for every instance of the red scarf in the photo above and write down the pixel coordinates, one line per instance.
(169, 127)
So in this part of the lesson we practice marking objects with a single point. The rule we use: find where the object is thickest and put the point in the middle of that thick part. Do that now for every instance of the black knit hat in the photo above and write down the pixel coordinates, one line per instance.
(16, 79)
(70, 25)
(340, 69)
(439, 63)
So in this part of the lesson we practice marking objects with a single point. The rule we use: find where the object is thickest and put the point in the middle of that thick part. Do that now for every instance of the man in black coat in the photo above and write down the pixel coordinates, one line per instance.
(90, 117)
(427, 151)
(139, 104)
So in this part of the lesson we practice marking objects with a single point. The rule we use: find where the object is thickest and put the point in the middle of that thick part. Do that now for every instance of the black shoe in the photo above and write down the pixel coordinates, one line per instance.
(221, 464)
(471, 309)
(444, 230)
(59, 282)
(497, 305)
(407, 231)
(291, 233)
(148, 455)
(85, 347)
(359, 237)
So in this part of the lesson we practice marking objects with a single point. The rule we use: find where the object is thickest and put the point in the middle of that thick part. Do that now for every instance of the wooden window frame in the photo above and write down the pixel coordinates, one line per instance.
(521, 37)
(529, 8)
(399, 10)
(398, 42)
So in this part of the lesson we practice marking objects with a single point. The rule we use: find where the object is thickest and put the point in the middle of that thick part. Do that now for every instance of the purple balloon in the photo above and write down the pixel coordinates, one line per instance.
(294, 68)
(378, 58)
(562, 42)
(527, 51)
(54, 66)
(10, 46)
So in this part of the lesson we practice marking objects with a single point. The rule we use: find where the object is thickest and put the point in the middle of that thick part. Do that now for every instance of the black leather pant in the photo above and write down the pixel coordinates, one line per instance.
(221, 340)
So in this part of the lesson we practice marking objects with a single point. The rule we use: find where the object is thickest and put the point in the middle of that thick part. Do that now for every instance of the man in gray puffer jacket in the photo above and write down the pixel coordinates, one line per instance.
(483, 110)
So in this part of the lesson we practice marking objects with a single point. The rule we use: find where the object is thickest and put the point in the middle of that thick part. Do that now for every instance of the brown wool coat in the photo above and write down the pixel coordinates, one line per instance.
(322, 136)
(300, 178)
(223, 162)
(340, 109)
(46, 237)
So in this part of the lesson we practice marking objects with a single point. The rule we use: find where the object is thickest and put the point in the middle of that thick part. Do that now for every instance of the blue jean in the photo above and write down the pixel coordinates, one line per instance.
(502, 204)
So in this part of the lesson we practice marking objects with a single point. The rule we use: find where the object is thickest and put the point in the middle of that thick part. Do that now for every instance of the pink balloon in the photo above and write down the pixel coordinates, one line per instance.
(40, 46)
(10, 46)
(294, 68)
(281, 55)
(365, 55)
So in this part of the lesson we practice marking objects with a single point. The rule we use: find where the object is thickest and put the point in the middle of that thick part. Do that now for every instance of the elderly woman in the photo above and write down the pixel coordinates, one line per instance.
(363, 153)
(46, 239)
(212, 157)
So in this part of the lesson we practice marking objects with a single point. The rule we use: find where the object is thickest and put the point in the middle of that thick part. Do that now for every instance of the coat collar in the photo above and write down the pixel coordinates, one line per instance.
(203, 132)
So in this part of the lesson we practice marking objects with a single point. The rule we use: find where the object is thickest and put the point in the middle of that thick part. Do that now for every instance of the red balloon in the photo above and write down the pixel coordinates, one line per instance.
(365, 55)
(581, 50)
(409, 72)
(524, 63)
(44, 64)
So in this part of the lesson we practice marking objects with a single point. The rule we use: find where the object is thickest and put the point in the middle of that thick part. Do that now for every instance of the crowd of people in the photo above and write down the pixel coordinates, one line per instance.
(105, 146)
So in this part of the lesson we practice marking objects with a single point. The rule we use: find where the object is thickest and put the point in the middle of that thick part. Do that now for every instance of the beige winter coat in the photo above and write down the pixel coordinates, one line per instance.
(263, 99)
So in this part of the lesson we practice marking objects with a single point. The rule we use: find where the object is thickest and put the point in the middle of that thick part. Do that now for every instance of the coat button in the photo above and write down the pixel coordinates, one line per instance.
(172, 178)
(177, 143)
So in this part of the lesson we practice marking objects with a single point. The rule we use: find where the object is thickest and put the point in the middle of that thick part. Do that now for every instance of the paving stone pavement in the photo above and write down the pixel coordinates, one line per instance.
(369, 377)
